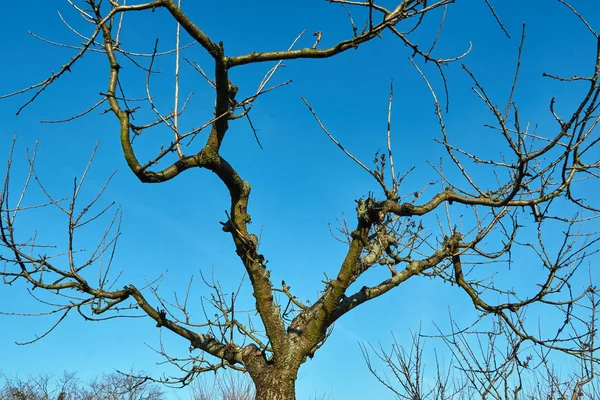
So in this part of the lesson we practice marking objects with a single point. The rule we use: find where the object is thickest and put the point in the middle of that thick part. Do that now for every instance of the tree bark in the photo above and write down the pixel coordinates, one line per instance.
(276, 385)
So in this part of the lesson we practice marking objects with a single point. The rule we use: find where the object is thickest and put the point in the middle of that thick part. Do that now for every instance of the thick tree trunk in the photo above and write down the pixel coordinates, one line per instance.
(277, 385)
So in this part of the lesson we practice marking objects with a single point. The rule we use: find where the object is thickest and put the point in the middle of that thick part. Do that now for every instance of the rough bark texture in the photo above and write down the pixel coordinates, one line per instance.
(277, 385)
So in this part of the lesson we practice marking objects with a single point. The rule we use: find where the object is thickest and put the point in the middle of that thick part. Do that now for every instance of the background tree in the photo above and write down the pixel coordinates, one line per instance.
(113, 386)
(481, 368)
(490, 207)
(227, 387)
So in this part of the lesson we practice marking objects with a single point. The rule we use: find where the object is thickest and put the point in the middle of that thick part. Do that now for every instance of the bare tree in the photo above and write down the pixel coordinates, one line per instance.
(485, 365)
(225, 387)
(113, 386)
(510, 200)
(42, 387)
(126, 386)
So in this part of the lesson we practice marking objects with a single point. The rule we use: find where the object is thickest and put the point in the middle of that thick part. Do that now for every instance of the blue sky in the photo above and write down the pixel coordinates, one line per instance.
(300, 181)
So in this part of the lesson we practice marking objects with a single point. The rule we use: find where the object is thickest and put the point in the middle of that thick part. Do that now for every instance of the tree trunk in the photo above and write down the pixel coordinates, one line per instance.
(278, 385)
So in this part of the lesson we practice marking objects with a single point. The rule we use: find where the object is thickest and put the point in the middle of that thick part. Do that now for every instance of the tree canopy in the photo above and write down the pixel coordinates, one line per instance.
(480, 195)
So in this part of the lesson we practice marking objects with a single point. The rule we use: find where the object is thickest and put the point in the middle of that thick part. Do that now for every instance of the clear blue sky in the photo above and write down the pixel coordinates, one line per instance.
(301, 181)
